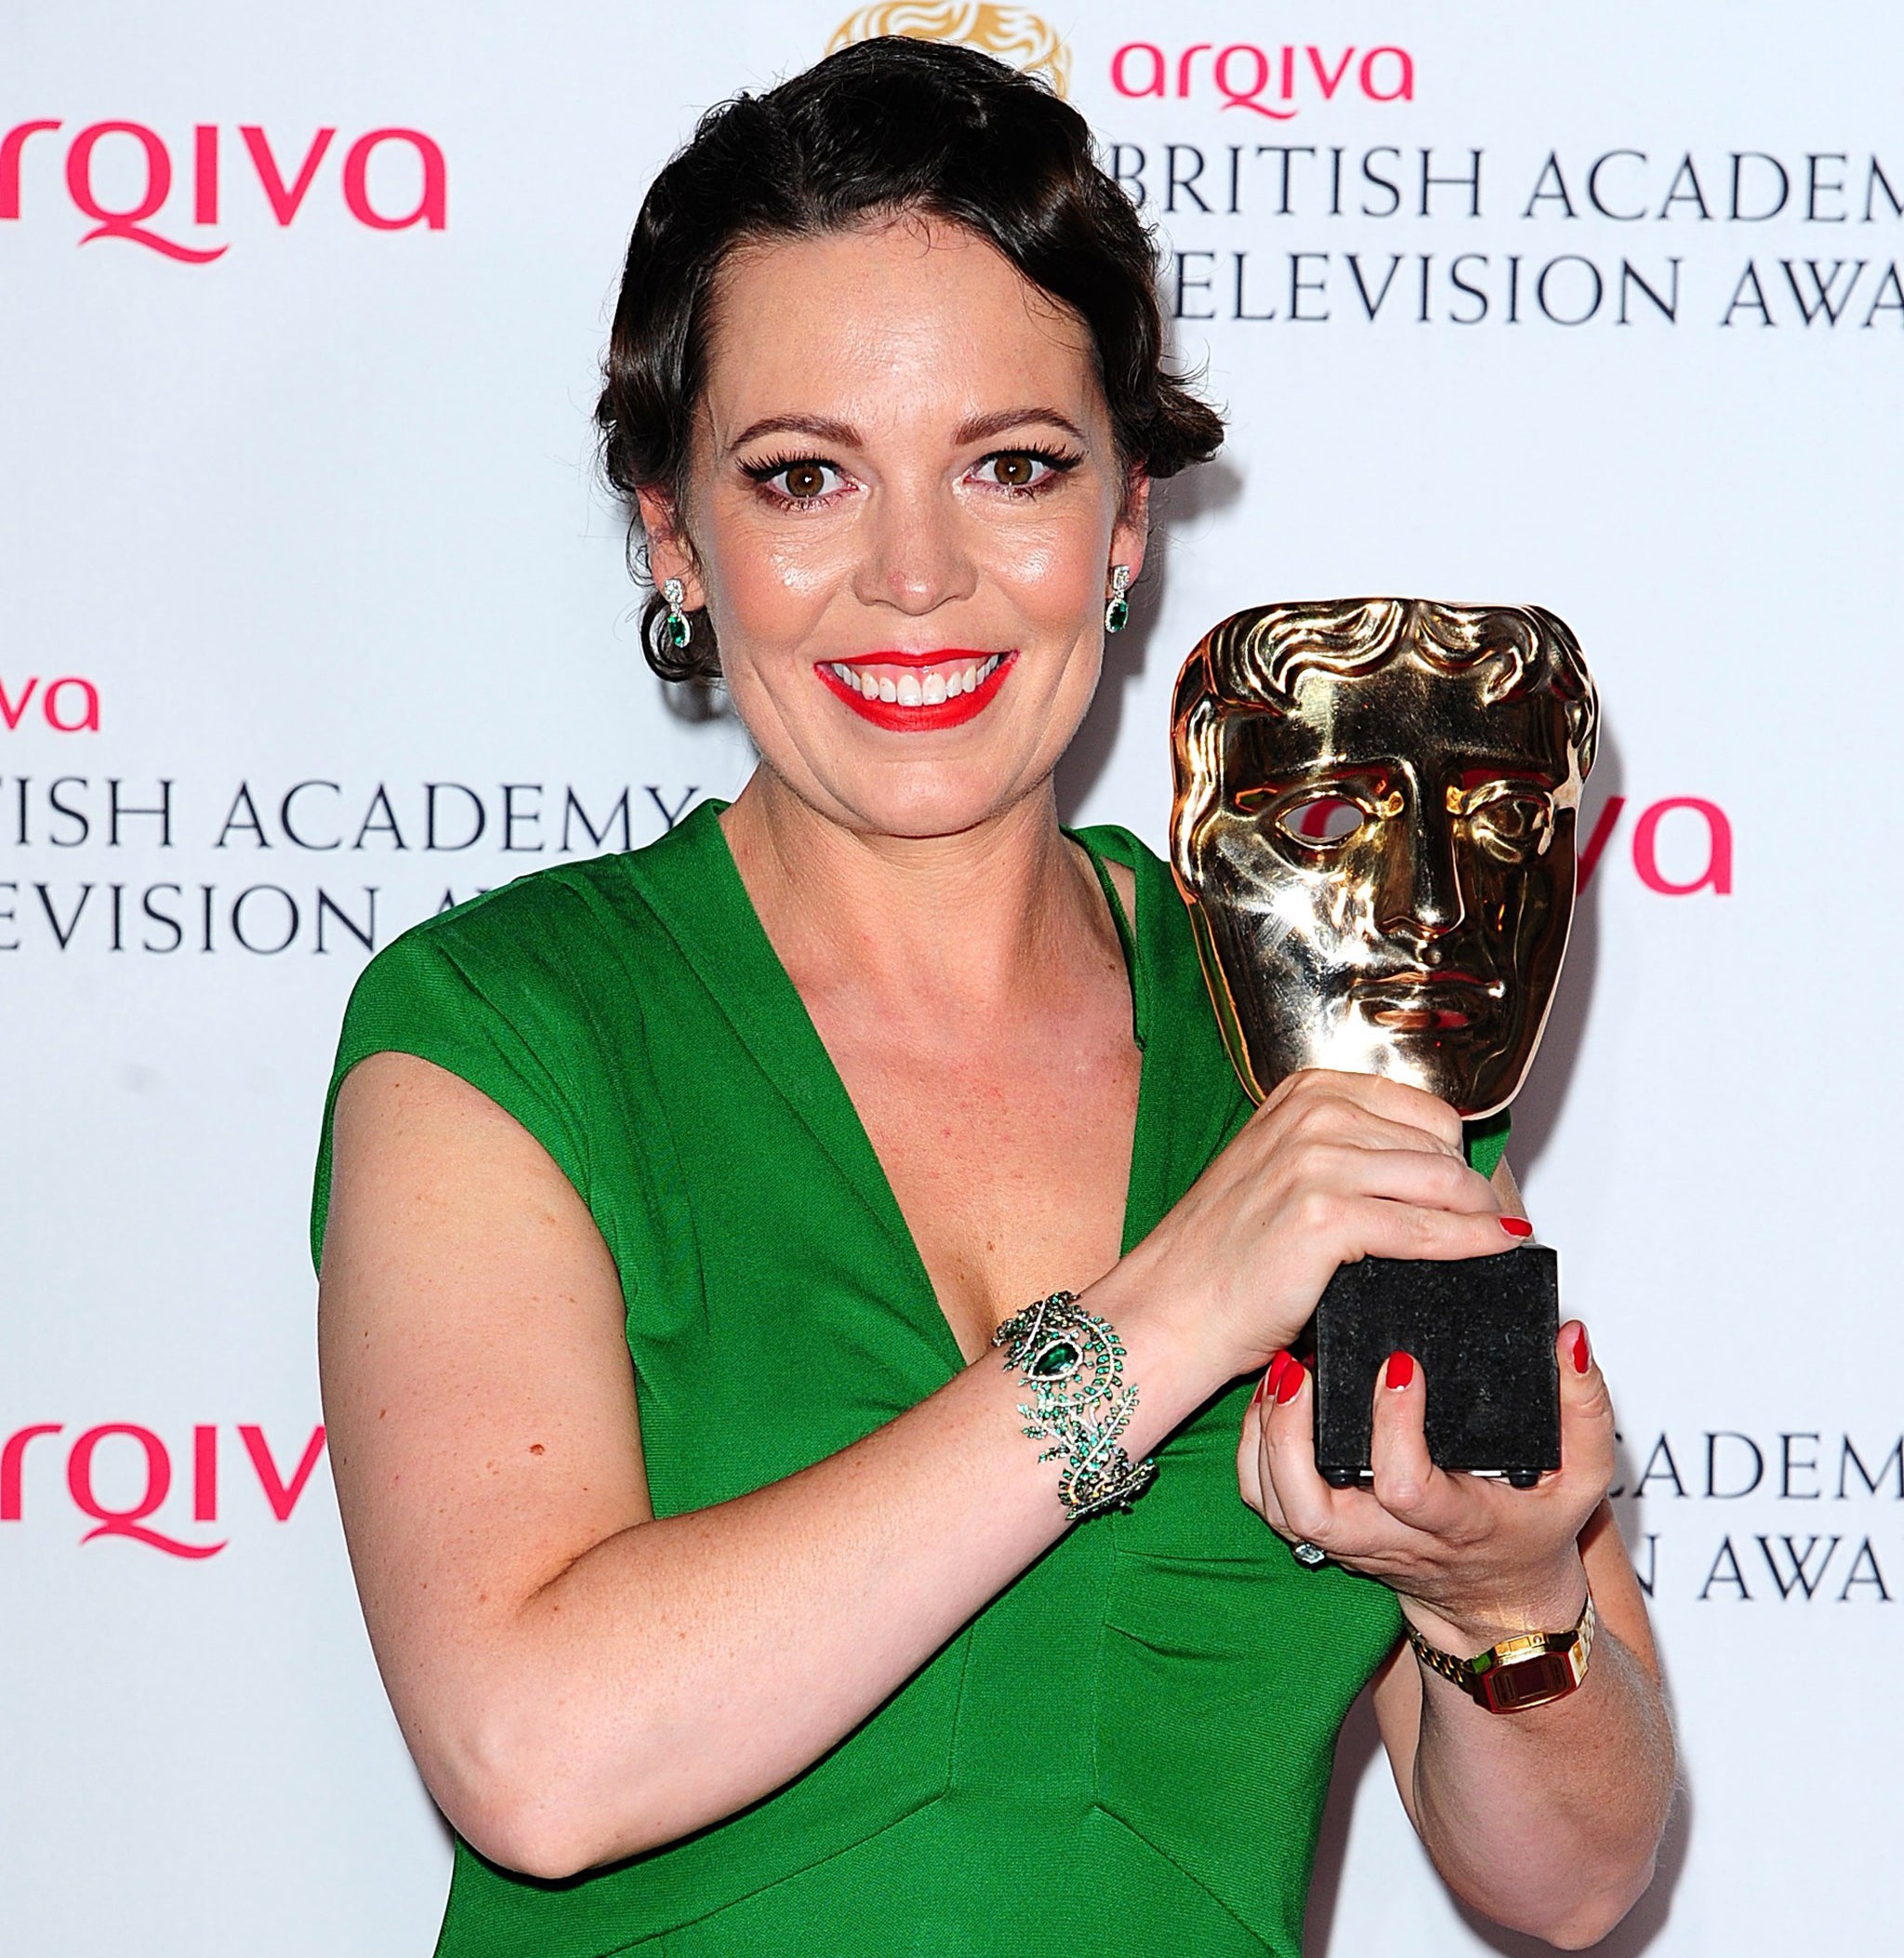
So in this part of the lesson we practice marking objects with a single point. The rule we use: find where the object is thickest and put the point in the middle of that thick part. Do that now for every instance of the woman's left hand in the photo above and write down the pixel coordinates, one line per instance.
(1472, 1559)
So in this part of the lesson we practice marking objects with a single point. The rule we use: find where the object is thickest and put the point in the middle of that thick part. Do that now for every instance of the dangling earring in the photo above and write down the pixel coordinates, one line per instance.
(1117, 612)
(681, 628)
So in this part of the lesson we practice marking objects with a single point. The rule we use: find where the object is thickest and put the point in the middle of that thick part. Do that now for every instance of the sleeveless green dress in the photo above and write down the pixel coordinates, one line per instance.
(1125, 1755)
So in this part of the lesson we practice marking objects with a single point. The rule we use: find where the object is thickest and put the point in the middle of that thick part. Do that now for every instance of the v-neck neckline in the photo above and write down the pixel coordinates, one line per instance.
(691, 883)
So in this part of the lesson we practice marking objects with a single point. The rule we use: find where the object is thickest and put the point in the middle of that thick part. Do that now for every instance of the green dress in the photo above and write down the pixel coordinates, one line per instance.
(1125, 1755)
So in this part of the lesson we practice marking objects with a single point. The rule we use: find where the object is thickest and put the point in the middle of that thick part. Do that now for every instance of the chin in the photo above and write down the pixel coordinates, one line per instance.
(919, 785)
(933, 803)
(934, 794)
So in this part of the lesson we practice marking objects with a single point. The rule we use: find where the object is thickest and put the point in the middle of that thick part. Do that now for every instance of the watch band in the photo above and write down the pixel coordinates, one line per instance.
(1532, 1670)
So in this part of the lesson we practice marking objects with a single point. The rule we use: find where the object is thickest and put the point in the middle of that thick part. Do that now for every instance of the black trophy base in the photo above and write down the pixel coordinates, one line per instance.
(1483, 1330)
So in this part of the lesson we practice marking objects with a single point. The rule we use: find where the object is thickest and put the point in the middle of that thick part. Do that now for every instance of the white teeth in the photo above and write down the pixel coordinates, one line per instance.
(909, 688)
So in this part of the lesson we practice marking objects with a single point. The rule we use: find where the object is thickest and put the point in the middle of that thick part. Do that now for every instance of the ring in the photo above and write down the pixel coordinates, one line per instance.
(1308, 1553)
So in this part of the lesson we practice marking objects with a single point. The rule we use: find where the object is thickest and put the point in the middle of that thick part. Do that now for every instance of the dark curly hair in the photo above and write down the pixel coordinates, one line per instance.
(885, 126)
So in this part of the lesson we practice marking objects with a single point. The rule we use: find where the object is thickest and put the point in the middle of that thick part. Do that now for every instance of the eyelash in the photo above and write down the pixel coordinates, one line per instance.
(763, 472)
(1058, 464)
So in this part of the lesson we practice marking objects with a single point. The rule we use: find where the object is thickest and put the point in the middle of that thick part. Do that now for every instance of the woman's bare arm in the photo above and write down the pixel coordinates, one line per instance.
(578, 1681)
(1546, 1820)
(1549, 1820)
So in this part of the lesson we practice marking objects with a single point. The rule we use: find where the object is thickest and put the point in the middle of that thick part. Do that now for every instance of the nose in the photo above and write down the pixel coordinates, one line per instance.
(915, 557)
(1418, 897)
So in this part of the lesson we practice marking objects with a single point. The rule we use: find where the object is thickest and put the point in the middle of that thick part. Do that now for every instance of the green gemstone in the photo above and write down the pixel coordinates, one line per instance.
(1054, 1359)
(1117, 615)
(677, 628)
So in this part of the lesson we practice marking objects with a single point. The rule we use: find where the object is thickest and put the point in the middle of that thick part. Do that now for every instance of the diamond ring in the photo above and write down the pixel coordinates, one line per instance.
(1309, 1553)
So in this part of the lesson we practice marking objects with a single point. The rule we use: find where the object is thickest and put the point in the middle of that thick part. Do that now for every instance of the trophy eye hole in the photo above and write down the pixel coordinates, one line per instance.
(1512, 819)
(1322, 819)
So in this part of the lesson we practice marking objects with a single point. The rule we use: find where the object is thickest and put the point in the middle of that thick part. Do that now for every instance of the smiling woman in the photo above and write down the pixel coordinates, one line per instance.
(957, 147)
(764, 1274)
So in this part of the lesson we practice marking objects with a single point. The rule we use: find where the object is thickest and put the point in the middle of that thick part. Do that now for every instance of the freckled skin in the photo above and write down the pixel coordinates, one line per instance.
(915, 347)
(581, 1681)
(902, 333)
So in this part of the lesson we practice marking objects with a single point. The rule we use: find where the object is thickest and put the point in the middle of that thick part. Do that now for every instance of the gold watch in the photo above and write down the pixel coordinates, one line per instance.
(1533, 1669)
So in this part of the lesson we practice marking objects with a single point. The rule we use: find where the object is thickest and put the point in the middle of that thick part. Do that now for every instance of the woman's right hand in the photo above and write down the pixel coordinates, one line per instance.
(1331, 1169)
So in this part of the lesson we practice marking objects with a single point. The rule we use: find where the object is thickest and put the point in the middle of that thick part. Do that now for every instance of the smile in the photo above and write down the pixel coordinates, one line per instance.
(917, 693)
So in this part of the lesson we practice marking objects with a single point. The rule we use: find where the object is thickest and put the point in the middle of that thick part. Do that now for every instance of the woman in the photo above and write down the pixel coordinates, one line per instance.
(784, 1639)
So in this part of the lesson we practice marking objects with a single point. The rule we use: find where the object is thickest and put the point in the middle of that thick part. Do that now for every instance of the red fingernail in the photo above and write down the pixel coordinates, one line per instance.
(1291, 1384)
(1277, 1361)
(1583, 1358)
(1401, 1370)
(1517, 1226)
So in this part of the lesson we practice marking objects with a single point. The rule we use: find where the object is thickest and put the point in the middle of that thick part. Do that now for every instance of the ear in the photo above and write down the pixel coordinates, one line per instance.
(669, 554)
(1132, 527)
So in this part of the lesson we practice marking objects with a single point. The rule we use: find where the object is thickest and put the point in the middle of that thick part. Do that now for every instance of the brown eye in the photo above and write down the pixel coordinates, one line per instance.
(804, 479)
(1022, 470)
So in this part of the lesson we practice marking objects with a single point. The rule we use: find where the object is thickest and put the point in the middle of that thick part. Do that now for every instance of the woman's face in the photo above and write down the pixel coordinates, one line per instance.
(904, 507)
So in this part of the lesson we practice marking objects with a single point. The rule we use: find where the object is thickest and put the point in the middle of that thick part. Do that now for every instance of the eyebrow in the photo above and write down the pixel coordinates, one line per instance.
(842, 434)
(982, 427)
(821, 428)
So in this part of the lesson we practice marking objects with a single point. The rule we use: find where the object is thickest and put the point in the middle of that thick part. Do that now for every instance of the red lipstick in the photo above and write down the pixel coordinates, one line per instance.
(946, 667)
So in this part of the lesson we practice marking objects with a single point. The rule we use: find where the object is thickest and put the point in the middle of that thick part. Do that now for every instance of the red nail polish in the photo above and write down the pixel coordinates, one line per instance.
(1517, 1226)
(1278, 1364)
(1291, 1384)
(1583, 1358)
(1401, 1370)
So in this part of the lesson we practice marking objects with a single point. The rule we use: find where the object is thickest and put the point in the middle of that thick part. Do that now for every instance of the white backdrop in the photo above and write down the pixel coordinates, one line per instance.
(298, 493)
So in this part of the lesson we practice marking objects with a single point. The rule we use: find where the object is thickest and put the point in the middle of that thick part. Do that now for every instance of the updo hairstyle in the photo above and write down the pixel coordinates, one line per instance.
(884, 127)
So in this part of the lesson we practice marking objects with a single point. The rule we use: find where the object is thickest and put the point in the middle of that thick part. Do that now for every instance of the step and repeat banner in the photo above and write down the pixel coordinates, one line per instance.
(314, 619)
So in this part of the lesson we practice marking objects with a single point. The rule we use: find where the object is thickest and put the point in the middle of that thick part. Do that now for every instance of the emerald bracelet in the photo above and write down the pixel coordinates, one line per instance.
(1073, 1362)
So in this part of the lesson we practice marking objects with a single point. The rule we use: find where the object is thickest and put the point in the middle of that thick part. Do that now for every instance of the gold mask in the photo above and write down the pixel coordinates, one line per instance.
(1374, 830)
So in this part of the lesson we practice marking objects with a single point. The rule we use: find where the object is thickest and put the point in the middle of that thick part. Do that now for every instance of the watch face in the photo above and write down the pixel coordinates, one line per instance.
(1530, 1682)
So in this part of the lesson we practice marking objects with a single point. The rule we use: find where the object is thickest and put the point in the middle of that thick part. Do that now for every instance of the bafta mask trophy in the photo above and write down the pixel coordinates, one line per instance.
(1374, 830)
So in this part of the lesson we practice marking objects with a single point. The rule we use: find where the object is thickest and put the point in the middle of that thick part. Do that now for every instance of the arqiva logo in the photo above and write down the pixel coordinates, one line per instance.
(120, 176)
(119, 1476)
(1270, 82)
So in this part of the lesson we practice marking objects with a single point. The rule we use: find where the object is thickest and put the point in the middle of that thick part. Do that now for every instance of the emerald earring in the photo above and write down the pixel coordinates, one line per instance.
(681, 628)
(1118, 610)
